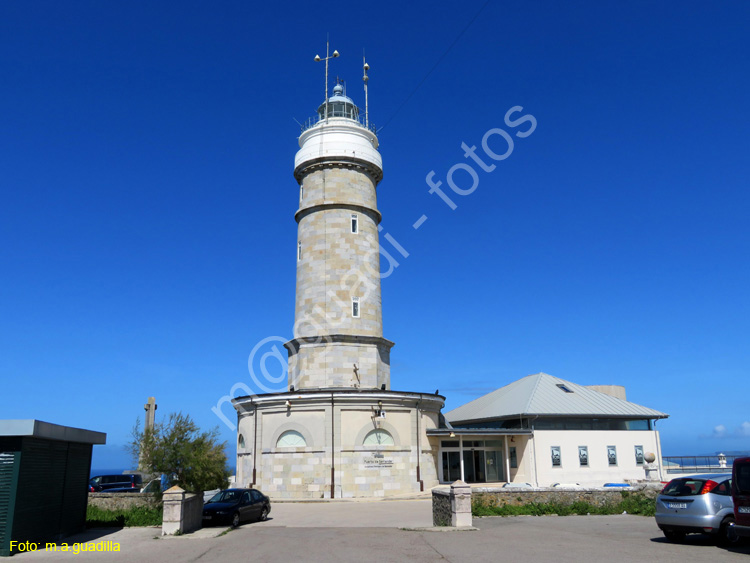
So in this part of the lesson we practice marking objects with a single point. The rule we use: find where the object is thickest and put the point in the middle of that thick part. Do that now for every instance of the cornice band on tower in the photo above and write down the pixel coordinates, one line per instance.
(295, 344)
(337, 161)
(373, 214)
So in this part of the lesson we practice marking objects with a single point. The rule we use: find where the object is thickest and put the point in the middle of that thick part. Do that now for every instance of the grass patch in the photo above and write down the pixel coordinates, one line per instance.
(137, 516)
(632, 503)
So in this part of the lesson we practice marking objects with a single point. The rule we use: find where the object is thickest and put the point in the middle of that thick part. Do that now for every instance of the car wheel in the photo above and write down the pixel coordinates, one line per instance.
(727, 534)
(235, 519)
(674, 537)
(263, 515)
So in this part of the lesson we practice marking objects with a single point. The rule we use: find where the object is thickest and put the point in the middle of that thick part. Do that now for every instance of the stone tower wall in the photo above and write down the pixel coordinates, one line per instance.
(327, 363)
(335, 264)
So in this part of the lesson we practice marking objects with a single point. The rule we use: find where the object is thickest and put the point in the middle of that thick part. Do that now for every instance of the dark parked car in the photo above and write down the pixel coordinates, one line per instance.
(699, 504)
(234, 506)
(130, 482)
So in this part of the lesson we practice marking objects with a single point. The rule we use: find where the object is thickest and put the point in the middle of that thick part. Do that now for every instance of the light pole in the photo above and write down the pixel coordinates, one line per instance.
(317, 59)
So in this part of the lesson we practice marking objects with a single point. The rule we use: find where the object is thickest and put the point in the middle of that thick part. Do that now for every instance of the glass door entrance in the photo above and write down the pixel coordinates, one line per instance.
(474, 466)
(495, 467)
(451, 466)
(480, 466)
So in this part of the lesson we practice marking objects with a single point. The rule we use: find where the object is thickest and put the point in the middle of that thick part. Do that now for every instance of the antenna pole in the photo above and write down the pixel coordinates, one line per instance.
(326, 98)
(365, 78)
(318, 59)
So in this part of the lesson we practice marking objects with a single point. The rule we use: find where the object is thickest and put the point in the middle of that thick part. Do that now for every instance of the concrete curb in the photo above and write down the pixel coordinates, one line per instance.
(442, 529)
(421, 496)
(200, 534)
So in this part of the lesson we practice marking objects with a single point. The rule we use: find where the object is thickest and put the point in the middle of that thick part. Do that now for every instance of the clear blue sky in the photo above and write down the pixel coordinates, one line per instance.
(148, 238)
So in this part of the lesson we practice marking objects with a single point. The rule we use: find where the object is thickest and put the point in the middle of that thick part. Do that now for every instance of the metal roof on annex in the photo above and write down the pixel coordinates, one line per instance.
(542, 394)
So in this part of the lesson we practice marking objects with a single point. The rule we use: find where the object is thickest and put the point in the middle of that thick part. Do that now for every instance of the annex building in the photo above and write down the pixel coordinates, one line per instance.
(543, 430)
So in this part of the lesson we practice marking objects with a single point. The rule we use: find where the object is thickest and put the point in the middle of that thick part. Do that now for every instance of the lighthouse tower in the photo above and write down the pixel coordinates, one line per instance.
(339, 431)
(338, 330)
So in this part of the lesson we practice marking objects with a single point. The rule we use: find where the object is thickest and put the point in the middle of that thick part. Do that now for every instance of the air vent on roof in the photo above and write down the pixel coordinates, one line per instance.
(564, 388)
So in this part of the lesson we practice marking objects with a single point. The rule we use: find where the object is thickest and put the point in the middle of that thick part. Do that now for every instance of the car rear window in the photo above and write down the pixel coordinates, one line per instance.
(742, 474)
(683, 487)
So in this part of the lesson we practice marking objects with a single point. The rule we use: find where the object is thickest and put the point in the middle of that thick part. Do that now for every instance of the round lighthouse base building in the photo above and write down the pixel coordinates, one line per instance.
(337, 443)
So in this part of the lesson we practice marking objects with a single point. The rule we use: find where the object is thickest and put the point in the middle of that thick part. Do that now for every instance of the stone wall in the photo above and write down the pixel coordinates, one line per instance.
(360, 472)
(295, 473)
(441, 507)
(602, 496)
(384, 472)
(123, 501)
(452, 506)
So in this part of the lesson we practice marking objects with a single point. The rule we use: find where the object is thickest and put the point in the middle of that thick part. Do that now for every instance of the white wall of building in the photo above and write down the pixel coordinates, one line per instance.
(598, 471)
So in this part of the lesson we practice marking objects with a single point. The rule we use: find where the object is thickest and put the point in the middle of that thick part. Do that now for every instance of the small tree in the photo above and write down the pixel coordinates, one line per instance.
(194, 460)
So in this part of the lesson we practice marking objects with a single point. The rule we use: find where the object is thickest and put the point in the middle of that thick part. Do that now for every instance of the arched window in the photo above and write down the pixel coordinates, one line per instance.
(291, 439)
(378, 437)
(241, 441)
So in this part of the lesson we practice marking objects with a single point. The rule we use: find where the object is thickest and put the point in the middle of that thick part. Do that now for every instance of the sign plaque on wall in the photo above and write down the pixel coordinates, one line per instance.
(378, 462)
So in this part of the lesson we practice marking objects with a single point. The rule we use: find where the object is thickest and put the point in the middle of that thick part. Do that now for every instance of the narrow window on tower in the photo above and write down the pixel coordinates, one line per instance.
(299, 251)
(301, 193)
(355, 307)
(355, 223)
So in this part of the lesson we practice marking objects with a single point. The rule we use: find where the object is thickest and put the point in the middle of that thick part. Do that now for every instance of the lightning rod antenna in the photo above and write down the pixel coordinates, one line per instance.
(328, 57)
(365, 78)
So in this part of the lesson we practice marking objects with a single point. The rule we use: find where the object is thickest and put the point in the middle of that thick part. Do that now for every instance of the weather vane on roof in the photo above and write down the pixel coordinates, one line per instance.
(317, 59)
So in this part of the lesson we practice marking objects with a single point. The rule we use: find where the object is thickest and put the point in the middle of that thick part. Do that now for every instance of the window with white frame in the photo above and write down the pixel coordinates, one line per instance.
(639, 455)
(513, 457)
(355, 223)
(355, 307)
(291, 439)
(378, 437)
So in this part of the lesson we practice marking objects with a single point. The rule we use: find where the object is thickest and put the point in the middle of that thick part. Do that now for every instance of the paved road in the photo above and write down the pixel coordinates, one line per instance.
(367, 531)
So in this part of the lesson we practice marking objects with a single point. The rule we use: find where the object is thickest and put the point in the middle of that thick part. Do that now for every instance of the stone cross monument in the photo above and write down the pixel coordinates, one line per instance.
(150, 408)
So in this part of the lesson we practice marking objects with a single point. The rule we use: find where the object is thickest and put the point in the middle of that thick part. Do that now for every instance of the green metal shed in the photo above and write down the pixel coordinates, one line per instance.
(44, 473)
